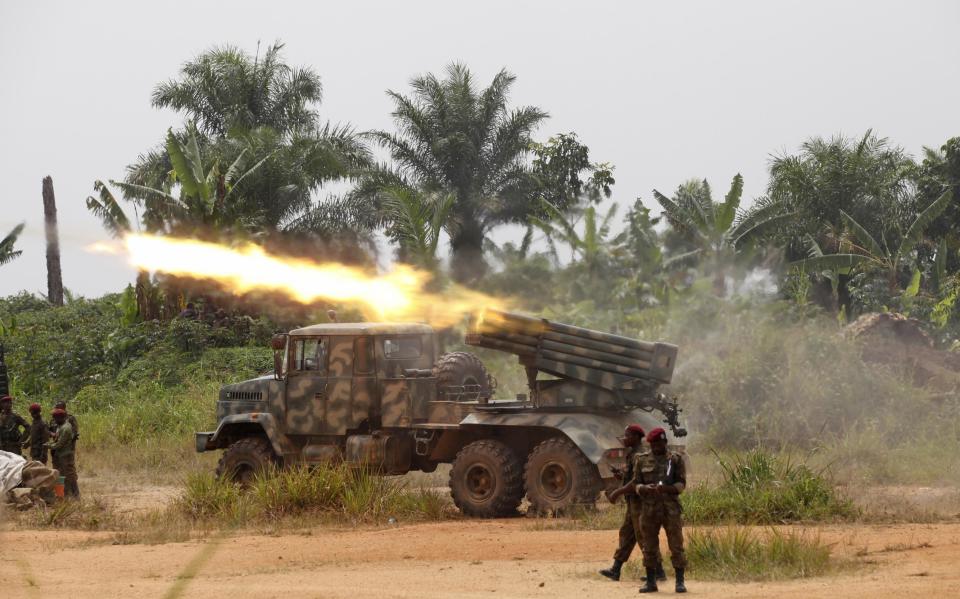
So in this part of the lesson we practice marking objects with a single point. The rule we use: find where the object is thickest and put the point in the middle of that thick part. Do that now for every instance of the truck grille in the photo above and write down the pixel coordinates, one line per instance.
(244, 395)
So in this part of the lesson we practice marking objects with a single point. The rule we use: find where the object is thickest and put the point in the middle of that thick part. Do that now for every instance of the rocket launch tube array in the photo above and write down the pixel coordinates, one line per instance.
(537, 338)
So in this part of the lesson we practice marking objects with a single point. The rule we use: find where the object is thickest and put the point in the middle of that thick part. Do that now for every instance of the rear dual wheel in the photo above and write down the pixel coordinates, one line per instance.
(486, 480)
(558, 477)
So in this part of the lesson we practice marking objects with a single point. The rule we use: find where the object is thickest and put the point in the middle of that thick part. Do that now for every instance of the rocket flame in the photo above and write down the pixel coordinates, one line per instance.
(399, 295)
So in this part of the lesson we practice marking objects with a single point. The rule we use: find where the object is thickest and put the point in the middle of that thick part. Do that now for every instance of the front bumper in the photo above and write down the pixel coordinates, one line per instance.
(203, 441)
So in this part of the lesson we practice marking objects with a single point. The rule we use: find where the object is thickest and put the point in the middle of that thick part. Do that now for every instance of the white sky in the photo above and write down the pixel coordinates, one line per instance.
(665, 91)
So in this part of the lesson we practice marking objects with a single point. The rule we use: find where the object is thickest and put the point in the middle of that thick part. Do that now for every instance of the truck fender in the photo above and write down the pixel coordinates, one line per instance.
(594, 434)
(265, 421)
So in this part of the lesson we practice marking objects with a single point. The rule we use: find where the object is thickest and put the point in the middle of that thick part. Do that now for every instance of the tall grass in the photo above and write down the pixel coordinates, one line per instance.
(743, 554)
(760, 487)
(334, 492)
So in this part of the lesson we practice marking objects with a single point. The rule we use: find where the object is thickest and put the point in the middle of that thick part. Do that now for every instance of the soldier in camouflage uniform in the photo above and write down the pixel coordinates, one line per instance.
(630, 532)
(62, 405)
(660, 477)
(38, 436)
(63, 451)
(13, 428)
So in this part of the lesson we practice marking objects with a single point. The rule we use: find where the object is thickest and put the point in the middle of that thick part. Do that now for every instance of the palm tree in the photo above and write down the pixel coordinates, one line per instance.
(262, 106)
(865, 252)
(710, 231)
(416, 221)
(7, 253)
(865, 178)
(453, 138)
(225, 89)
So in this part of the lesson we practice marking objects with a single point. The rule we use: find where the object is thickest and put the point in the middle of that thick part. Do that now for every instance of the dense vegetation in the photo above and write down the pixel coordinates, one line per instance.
(753, 292)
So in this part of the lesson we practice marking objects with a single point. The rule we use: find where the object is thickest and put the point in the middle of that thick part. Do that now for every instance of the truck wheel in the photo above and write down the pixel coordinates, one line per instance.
(558, 477)
(461, 369)
(245, 458)
(486, 480)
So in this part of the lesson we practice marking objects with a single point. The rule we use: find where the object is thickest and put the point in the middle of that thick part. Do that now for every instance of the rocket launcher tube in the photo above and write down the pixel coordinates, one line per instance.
(639, 354)
(594, 354)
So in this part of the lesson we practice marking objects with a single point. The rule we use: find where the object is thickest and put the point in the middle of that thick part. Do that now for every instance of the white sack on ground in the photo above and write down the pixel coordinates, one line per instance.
(11, 470)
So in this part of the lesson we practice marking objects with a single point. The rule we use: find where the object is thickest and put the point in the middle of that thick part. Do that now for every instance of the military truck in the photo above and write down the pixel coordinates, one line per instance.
(377, 396)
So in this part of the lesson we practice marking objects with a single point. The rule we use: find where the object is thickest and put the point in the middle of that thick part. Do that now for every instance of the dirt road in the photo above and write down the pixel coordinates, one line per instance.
(511, 558)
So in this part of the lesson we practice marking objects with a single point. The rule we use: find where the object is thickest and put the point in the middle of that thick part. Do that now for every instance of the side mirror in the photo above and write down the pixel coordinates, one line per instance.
(279, 344)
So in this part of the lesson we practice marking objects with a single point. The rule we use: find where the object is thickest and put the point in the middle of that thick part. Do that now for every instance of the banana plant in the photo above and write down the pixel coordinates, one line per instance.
(713, 228)
(7, 253)
(203, 189)
(867, 253)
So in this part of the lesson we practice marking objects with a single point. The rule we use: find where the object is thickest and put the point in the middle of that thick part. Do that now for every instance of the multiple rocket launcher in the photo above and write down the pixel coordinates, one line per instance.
(617, 364)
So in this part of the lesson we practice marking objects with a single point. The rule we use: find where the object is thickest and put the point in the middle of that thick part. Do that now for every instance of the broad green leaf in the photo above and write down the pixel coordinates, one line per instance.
(108, 210)
(914, 287)
(759, 228)
(728, 210)
(915, 232)
(234, 171)
(189, 181)
(865, 238)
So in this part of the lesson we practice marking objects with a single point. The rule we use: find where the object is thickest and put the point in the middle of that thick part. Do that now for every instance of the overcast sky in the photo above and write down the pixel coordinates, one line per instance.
(665, 91)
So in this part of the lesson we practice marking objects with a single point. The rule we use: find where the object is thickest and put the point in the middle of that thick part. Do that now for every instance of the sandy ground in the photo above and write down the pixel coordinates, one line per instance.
(503, 558)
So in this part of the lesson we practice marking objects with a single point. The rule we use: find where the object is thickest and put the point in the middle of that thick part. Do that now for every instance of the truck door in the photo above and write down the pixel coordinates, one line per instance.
(365, 399)
(306, 394)
(339, 414)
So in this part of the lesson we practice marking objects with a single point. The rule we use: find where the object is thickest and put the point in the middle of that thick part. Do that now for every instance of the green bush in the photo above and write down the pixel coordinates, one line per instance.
(763, 488)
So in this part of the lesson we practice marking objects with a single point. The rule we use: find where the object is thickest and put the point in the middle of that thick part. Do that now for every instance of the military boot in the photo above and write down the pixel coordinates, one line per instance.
(680, 588)
(651, 585)
(661, 575)
(613, 572)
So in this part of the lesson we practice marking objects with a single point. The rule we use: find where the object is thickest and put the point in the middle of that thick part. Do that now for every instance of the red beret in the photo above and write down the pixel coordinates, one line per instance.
(59, 412)
(655, 434)
(6, 398)
(35, 407)
(636, 428)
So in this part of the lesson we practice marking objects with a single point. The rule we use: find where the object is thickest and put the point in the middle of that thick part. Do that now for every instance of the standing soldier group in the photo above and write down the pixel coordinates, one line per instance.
(653, 481)
(59, 437)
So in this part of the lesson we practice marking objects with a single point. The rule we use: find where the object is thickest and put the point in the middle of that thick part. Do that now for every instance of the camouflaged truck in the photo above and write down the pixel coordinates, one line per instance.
(377, 396)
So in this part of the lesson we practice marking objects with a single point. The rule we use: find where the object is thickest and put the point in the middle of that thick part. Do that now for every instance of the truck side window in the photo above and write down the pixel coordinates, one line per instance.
(363, 355)
(310, 355)
(398, 348)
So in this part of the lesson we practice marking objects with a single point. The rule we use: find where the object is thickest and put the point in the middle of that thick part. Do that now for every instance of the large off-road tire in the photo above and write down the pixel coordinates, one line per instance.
(459, 369)
(245, 458)
(486, 480)
(559, 477)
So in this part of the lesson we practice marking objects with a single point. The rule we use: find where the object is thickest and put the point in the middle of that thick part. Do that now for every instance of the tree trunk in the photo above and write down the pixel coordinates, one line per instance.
(467, 264)
(54, 276)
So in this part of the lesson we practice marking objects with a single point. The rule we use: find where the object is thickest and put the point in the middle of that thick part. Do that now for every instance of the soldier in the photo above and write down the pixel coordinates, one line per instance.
(630, 532)
(63, 451)
(13, 428)
(660, 477)
(70, 418)
(38, 436)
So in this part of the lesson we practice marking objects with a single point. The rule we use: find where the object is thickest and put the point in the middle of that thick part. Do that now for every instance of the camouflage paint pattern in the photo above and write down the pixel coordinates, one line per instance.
(331, 405)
